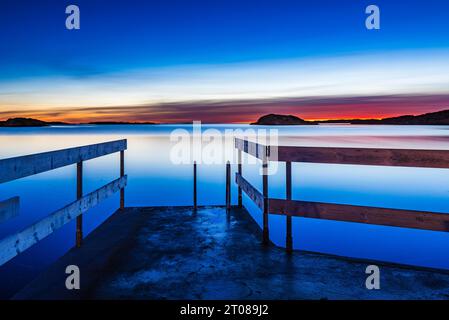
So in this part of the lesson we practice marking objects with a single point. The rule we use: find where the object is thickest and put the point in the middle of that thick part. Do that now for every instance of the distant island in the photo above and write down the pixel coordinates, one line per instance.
(279, 119)
(27, 122)
(30, 122)
(433, 118)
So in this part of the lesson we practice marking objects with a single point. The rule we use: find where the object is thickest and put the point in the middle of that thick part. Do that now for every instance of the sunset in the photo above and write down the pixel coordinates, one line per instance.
(183, 61)
(234, 159)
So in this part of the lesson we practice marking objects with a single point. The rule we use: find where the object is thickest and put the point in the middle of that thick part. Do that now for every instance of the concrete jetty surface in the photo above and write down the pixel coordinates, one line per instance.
(179, 253)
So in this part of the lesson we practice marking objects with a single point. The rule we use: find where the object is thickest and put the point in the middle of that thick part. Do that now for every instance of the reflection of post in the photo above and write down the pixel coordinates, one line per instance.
(228, 186)
(79, 194)
(288, 187)
(266, 234)
(9, 209)
(240, 173)
(194, 186)
(122, 173)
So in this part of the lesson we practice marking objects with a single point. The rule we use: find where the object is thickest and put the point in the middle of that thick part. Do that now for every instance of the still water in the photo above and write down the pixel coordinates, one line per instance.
(154, 180)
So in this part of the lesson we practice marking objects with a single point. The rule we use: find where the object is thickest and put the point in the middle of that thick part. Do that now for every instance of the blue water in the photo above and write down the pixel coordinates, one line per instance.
(154, 180)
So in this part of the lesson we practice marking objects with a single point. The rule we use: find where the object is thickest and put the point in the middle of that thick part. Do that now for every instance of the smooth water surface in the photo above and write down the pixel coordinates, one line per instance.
(153, 180)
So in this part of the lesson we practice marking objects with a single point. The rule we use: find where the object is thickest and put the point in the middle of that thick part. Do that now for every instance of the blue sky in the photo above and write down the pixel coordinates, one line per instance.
(174, 41)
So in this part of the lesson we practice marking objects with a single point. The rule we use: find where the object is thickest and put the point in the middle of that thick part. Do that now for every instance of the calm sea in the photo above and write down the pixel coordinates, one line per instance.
(154, 180)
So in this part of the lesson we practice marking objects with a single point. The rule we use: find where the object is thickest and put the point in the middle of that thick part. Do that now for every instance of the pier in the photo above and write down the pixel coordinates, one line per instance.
(219, 252)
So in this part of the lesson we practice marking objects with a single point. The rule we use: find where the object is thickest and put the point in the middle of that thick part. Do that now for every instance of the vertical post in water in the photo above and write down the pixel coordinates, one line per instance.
(194, 186)
(240, 173)
(266, 234)
(228, 186)
(79, 194)
(122, 173)
(288, 189)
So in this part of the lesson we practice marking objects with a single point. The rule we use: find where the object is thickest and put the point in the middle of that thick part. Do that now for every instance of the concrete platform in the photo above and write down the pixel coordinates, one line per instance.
(175, 253)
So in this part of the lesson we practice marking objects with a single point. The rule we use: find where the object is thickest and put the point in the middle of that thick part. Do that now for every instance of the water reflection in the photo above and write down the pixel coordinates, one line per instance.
(9, 208)
(153, 180)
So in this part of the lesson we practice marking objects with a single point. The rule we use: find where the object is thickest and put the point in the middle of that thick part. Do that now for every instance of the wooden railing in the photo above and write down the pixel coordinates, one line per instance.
(339, 212)
(20, 167)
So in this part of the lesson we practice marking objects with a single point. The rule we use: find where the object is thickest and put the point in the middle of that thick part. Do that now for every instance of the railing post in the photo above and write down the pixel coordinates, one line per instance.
(194, 187)
(266, 234)
(240, 202)
(79, 194)
(122, 173)
(228, 186)
(288, 188)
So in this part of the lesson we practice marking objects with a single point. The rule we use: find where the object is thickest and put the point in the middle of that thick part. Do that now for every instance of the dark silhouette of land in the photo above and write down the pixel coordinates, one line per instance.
(279, 119)
(27, 122)
(433, 118)
(30, 122)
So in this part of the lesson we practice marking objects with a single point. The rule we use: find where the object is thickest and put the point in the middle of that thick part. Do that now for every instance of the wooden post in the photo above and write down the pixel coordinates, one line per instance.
(240, 203)
(122, 173)
(194, 187)
(228, 186)
(288, 188)
(79, 195)
(266, 233)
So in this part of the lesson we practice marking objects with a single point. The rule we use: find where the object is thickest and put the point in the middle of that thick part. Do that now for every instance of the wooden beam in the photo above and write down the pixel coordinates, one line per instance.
(240, 202)
(79, 195)
(257, 150)
(9, 209)
(265, 230)
(288, 195)
(195, 204)
(356, 156)
(250, 191)
(122, 174)
(370, 215)
(366, 156)
(228, 186)
(17, 243)
(24, 166)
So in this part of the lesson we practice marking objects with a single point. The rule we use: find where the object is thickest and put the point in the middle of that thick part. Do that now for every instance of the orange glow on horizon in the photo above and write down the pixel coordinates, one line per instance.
(240, 113)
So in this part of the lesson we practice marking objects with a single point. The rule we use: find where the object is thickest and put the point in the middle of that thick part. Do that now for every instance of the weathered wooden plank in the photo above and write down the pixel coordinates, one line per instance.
(357, 156)
(265, 228)
(17, 243)
(9, 209)
(228, 186)
(122, 173)
(250, 191)
(257, 150)
(366, 156)
(288, 195)
(24, 166)
(195, 205)
(79, 195)
(240, 203)
(370, 215)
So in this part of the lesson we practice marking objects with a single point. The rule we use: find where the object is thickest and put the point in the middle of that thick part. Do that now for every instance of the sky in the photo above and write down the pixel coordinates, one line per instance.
(222, 61)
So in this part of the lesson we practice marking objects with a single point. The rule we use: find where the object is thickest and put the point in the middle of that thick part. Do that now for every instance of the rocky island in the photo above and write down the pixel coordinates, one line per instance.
(279, 120)
(23, 122)
(30, 122)
(432, 118)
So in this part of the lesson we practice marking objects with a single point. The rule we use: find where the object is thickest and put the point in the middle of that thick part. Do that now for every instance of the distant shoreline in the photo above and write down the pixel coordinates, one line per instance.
(434, 118)
(33, 123)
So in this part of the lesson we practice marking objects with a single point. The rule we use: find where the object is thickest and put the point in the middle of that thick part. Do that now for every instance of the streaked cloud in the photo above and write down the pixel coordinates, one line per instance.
(249, 110)
(372, 85)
